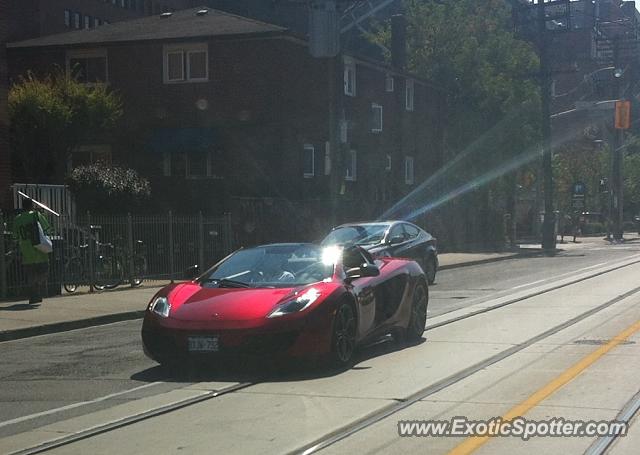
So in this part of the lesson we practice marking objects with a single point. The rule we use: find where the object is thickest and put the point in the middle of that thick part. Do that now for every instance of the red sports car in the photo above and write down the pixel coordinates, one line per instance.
(298, 300)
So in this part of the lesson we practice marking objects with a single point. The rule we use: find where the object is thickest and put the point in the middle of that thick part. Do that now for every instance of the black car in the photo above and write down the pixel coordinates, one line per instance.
(390, 238)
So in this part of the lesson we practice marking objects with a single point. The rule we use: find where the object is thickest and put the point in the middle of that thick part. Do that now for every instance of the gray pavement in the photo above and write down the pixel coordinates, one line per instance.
(61, 384)
(72, 311)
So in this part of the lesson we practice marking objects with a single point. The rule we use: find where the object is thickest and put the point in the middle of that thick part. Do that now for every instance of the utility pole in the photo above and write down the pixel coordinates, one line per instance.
(616, 152)
(548, 225)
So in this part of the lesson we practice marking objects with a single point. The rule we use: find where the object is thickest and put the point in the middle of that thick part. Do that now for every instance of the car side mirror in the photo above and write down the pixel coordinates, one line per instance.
(191, 272)
(396, 239)
(365, 270)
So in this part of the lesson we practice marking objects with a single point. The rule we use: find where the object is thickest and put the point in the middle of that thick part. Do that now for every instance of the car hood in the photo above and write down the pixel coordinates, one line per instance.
(191, 302)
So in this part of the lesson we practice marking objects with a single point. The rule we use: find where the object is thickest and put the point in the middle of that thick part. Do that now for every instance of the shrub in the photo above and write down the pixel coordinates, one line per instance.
(106, 189)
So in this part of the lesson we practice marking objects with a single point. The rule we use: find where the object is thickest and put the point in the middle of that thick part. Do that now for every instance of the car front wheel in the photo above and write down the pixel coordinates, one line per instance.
(418, 319)
(343, 343)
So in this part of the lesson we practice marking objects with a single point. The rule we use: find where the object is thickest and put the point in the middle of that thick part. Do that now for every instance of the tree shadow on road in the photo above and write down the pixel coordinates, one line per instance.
(265, 369)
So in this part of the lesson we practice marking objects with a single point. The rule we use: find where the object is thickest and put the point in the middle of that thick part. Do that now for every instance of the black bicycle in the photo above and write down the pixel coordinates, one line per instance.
(107, 270)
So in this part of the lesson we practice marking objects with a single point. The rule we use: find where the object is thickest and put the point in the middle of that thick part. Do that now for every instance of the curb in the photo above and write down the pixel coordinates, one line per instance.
(495, 259)
(27, 332)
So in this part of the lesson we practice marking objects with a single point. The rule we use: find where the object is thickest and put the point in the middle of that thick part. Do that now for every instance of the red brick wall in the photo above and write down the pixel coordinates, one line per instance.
(265, 100)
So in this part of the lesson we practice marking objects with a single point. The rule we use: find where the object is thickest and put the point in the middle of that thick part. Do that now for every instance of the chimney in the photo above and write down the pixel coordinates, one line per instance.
(398, 42)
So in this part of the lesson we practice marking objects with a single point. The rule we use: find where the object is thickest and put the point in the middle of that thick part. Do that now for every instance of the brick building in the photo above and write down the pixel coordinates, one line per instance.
(225, 113)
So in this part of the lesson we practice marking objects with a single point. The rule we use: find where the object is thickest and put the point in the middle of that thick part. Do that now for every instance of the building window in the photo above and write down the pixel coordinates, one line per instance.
(122, 4)
(87, 22)
(309, 161)
(388, 83)
(76, 20)
(89, 154)
(376, 118)
(96, 22)
(387, 166)
(198, 165)
(409, 92)
(188, 63)
(352, 166)
(88, 66)
(349, 77)
(408, 170)
(67, 18)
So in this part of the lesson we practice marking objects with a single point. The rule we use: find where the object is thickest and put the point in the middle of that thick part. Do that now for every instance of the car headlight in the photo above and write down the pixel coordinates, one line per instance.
(161, 307)
(299, 303)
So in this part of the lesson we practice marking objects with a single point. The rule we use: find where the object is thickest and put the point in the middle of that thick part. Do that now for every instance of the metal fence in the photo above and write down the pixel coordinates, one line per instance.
(130, 247)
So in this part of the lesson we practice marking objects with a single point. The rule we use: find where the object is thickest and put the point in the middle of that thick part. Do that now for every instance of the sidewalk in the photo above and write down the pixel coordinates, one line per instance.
(72, 311)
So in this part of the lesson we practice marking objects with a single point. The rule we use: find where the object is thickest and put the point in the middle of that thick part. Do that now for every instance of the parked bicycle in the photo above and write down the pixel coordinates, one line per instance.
(133, 263)
(107, 271)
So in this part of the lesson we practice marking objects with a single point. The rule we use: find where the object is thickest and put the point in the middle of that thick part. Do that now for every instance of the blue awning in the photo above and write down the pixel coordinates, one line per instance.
(182, 140)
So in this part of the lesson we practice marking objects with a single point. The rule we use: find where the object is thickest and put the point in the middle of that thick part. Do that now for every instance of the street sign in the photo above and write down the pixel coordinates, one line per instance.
(623, 115)
(578, 193)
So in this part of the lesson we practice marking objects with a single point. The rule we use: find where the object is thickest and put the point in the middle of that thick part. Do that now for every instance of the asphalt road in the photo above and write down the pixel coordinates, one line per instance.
(54, 378)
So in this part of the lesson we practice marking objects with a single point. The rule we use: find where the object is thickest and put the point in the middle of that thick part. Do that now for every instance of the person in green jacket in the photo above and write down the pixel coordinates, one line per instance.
(35, 262)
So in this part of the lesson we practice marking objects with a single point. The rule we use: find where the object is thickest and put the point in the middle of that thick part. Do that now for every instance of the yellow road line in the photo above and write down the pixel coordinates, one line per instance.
(473, 443)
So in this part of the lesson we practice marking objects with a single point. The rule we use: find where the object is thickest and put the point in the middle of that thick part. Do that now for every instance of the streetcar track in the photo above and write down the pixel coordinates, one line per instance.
(629, 410)
(387, 411)
(130, 420)
(376, 416)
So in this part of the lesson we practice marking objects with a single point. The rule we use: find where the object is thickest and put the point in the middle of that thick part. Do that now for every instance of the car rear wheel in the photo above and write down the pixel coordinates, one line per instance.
(418, 319)
(343, 342)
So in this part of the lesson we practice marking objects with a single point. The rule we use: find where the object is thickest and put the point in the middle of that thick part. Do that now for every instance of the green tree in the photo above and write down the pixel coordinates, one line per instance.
(491, 108)
(50, 116)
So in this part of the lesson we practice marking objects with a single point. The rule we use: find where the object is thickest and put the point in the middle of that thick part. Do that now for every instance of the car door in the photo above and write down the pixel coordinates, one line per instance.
(412, 247)
(364, 289)
(396, 241)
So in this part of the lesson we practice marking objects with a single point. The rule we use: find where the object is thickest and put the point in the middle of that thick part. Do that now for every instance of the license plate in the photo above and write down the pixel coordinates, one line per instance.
(203, 344)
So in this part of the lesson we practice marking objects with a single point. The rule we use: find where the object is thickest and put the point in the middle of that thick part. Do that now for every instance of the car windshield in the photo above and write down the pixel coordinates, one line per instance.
(365, 234)
(271, 266)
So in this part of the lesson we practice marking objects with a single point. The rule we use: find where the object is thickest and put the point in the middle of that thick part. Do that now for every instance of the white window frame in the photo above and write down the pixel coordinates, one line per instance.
(389, 83)
(387, 166)
(349, 77)
(89, 53)
(375, 116)
(76, 20)
(353, 158)
(186, 50)
(86, 22)
(410, 95)
(409, 170)
(208, 171)
(206, 64)
(182, 67)
(312, 149)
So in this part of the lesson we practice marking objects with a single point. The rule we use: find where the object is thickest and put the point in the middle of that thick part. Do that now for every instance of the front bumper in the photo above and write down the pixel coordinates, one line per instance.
(300, 338)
